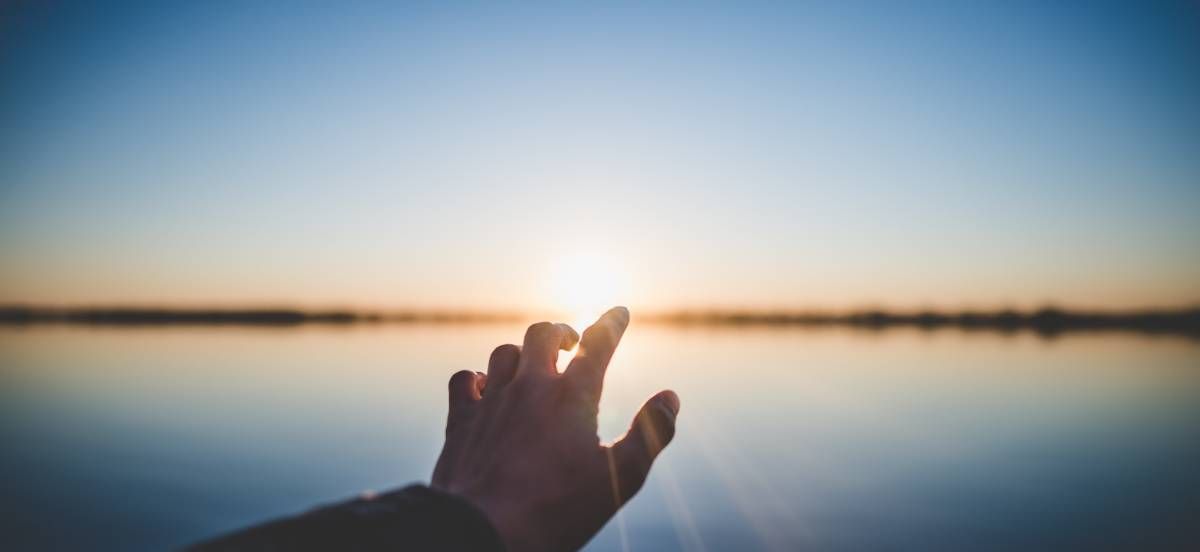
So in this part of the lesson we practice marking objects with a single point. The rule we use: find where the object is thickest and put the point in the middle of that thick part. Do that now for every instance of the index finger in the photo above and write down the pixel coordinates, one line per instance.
(596, 350)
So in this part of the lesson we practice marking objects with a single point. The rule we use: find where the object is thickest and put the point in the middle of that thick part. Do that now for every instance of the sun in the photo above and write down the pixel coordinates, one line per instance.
(584, 285)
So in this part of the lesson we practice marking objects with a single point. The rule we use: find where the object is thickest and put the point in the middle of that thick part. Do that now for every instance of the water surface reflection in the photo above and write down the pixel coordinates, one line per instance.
(146, 438)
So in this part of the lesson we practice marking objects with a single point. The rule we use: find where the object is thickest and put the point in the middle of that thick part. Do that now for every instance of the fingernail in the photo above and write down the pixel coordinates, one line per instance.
(670, 401)
(622, 312)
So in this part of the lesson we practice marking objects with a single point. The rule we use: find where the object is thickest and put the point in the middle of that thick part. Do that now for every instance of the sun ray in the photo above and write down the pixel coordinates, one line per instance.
(681, 515)
(730, 469)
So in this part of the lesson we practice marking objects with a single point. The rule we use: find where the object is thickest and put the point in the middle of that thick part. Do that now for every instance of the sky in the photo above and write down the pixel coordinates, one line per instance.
(659, 155)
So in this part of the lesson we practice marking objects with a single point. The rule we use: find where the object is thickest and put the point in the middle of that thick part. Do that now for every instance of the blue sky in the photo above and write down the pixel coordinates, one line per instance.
(761, 155)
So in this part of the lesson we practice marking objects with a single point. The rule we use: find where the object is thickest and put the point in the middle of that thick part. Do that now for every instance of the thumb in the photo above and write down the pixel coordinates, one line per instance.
(652, 429)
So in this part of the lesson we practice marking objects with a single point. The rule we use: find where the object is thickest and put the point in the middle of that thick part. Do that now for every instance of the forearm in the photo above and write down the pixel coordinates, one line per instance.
(412, 518)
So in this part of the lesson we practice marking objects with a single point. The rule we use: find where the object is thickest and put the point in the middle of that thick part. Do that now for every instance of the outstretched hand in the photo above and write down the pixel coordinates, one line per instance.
(521, 442)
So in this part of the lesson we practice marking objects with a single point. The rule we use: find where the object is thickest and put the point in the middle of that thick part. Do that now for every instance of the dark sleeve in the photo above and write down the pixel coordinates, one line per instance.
(412, 518)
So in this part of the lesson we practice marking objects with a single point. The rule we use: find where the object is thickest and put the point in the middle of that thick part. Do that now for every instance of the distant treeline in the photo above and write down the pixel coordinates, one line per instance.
(1046, 321)
(134, 316)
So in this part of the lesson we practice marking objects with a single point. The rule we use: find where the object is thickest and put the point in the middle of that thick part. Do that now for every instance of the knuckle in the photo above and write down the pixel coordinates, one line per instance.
(522, 389)
(583, 386)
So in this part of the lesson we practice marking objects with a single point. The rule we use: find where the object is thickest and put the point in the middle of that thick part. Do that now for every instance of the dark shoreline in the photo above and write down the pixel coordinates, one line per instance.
(1046, 321)
(137, 316)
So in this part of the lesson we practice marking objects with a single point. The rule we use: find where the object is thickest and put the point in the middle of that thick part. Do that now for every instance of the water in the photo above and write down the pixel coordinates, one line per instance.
(147, 439)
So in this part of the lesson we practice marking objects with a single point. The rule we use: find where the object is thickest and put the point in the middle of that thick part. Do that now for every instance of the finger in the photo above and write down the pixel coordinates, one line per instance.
(481, 382)
(463, 388)
(464, 392)
(652, 429)
(542, 342)
(596, 350)
(502, 366)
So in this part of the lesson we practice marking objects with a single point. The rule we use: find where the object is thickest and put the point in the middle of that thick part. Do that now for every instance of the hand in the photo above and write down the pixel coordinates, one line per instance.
(521, 441)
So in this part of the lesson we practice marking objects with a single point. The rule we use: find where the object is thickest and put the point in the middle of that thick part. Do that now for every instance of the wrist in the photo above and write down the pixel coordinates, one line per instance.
(510, 523)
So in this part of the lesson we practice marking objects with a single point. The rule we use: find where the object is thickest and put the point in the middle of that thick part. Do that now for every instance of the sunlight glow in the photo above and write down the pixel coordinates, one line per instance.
(584, 285)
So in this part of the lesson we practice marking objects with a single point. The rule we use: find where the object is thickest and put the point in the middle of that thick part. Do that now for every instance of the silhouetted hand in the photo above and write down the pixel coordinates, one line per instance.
(521, 441)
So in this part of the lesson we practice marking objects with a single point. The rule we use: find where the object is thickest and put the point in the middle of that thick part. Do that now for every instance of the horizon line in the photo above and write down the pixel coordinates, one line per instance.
(1047, 321)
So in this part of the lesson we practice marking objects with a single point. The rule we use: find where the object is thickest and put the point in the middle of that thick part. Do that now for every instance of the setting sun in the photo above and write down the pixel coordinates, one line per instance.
(582, 286)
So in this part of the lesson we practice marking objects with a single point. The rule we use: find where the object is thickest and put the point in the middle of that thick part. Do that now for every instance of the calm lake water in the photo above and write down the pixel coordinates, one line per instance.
(147, 439)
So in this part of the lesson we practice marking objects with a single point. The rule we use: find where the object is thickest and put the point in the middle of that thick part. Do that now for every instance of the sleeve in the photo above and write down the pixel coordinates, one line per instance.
(412, 518)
